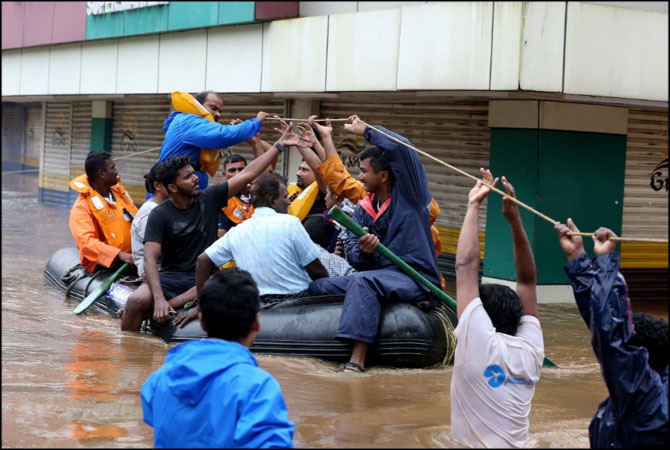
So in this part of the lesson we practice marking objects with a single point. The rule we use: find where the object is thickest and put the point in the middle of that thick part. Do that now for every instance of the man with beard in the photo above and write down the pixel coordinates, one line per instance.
(181, 228)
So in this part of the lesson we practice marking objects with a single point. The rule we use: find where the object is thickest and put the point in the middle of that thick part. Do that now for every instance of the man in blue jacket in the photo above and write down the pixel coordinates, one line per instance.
(632, 349)
(211, 393)
(186, 134)
(396, 213)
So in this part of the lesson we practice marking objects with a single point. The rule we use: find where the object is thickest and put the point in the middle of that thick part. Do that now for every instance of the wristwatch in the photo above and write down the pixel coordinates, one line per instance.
(280, 147)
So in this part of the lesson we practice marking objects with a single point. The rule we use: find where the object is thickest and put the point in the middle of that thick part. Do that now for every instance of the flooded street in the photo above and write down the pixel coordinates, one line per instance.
(74, 381)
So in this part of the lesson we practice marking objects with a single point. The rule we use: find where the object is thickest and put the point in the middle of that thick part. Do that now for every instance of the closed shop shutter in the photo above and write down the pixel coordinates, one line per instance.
(13, 120)
(248, 110)
(55, 174)
(645, 208)
(81, 137)
(137, 125)
(34, 135)
(455, 132)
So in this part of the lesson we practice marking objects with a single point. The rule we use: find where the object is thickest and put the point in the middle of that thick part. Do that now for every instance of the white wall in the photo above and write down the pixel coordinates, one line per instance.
(445, 46)
(294, 55)
(234, 58)
(603, 50)
(542, 47)
(620, 49)
(65, 69)
(363, 51)
(138, 65)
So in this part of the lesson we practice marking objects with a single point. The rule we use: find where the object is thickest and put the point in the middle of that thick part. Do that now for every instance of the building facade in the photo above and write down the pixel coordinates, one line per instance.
(568, 99)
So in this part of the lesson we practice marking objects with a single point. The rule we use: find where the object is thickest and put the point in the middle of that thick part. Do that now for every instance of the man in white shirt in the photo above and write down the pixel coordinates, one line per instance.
(271, 245)
(499, 344)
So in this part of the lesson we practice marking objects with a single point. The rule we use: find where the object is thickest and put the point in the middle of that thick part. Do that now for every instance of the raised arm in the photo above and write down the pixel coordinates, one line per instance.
(408, 170)
(579, 269)
(524, 262)
(210, 135)
(259, 146)
(467, 251)
(258, 165)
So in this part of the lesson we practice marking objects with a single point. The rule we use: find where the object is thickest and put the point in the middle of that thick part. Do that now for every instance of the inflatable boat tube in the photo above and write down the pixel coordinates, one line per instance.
(407, 336)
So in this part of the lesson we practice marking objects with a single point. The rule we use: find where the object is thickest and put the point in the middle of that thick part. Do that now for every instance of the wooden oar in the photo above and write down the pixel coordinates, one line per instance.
(352, 226)
(95, 295)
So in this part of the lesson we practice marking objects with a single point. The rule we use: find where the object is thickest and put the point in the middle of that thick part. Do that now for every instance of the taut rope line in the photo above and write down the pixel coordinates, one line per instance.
(504, 194)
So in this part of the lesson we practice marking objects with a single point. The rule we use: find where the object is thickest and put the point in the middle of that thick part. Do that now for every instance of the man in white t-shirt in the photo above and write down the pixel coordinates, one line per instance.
(499, 345)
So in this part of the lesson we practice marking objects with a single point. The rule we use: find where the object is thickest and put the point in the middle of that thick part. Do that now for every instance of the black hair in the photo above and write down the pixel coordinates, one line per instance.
(320, 230)
(151, 177)
(202, 96)
(94, 162)
(233, 158)
(170, 169)
(377, 161)
(652, 334)
(266, 188)
(502, 305)
(229, 303)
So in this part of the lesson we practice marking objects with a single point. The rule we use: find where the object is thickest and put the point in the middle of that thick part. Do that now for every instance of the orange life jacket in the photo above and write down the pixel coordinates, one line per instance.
(186, 103)
(301, 200)
(114, 226)
(237, 210)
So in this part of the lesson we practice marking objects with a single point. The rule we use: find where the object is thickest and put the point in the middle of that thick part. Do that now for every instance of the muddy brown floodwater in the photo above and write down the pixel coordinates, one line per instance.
(74, 381)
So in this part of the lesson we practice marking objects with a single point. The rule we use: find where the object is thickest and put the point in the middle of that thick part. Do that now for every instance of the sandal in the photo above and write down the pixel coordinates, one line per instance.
(351, 365)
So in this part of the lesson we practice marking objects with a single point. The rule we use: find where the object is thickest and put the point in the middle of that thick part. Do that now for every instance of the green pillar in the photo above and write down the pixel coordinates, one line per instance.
(101, 126)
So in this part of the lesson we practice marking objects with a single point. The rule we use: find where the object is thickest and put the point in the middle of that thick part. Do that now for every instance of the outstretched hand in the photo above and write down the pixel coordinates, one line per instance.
(510, 208)
(354, 126)
(480, 191)
(306, 132)
(572, 246)
(324, 130)
(601, 241)
(288, 137)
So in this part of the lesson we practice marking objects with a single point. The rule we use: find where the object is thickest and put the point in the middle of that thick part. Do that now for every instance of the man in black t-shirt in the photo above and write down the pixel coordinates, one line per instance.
(181, 228)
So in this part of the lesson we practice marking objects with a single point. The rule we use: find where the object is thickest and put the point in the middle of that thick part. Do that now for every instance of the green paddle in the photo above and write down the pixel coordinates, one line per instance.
(93, 296)
(352, 226)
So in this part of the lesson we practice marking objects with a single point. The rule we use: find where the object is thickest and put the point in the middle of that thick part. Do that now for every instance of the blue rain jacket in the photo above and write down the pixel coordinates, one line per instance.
(636, 412)
(404, 228)
(186, 134)
(211, 393)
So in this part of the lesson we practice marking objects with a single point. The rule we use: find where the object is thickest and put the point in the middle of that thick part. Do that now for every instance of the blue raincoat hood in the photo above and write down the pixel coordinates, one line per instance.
(190, 369)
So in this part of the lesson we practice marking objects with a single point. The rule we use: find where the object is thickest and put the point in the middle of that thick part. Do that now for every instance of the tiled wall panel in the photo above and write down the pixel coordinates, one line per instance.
(138, 65)
(98, 67)
(64, 69)
(234, 56)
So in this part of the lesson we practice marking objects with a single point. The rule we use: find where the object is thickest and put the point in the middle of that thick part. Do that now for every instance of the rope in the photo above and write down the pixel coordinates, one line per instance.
(449, 336)
(305, 120)
(504, 194)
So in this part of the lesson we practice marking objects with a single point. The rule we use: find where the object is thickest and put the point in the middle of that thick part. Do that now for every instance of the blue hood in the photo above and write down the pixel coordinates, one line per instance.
(189, 367)
(169, 120)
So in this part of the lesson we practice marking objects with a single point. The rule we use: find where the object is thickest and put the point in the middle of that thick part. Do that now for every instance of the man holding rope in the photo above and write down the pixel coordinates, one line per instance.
(396, 213)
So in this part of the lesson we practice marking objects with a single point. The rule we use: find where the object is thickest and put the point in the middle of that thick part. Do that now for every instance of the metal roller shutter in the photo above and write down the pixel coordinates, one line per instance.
(245, 110)
(55, 174)
(455, 132)
(34, 135)
(13, 120)
(81, 137)
(137, 125)
(645, 208)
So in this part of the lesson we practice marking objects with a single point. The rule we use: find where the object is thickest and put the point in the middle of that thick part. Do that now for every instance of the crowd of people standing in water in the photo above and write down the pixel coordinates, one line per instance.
(220, 253)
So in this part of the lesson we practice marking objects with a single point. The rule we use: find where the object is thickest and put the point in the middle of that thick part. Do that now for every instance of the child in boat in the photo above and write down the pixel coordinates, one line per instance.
(211, 393)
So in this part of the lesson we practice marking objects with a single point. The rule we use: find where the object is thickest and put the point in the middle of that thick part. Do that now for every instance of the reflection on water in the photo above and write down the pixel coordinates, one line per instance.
(74, 381)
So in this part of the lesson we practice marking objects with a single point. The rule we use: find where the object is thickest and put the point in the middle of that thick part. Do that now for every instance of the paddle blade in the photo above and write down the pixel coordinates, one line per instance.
(548, 363)
(99, 292)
